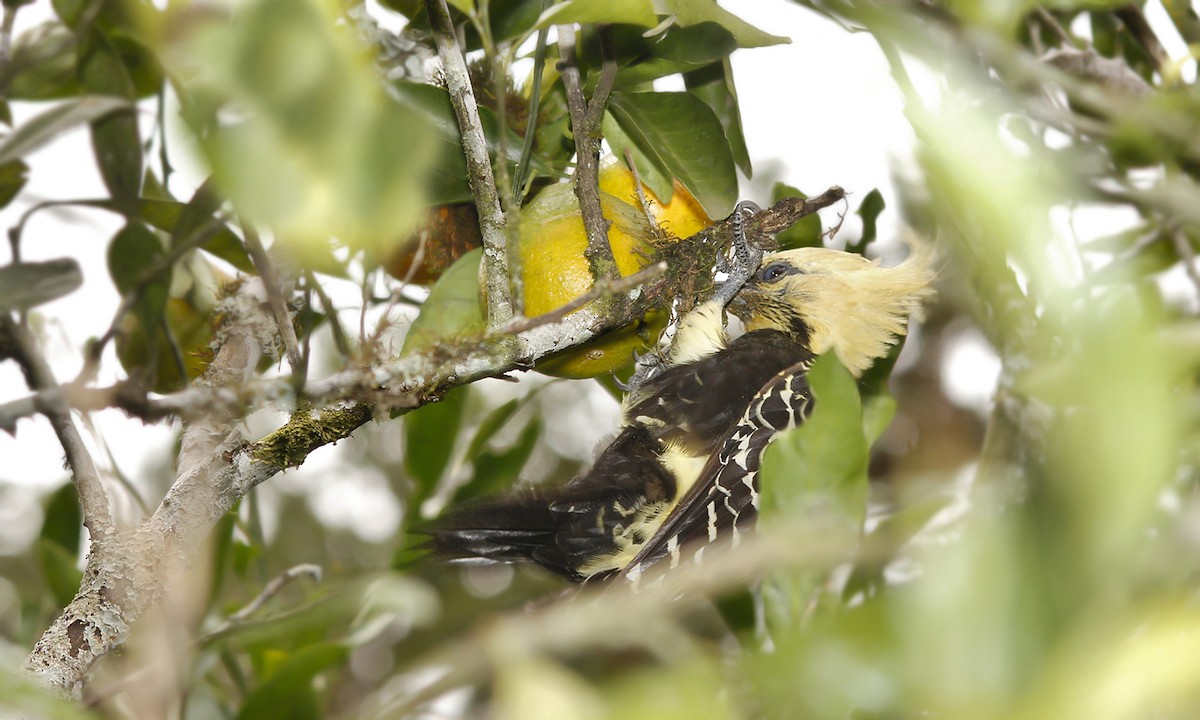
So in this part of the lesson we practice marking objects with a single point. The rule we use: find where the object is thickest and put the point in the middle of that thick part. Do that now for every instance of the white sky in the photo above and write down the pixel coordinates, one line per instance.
(820, 111)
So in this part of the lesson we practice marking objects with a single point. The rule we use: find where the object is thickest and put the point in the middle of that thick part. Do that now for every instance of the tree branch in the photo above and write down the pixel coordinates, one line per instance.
(479, 165)
(413, 379)
(274, 287)
(587, 159)
(132, 570)
(17, 342)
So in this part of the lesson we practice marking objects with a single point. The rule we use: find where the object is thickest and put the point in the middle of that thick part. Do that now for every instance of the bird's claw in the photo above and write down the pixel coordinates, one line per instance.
(746, 255)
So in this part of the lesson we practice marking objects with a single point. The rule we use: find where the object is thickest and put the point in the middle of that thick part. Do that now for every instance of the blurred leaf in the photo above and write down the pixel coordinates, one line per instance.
(681, 50)
(1119, 242)
(490, 425)
(677, 691)
(513, 18)
(116, 139)
(198, 215)
(878, 411)
(63, 524)
(59, 566)
(13, 175)
(868, 210)
(452, 308)
(69, 11)
(288, 693)
(430, 434)
(244, 555)
(530, 687)
(714, 85)
(222, 545)
(496, 471)
(815, 476)
(449, 172)
(166, 215)
(133, 252)
(29, 284)
(1148, 258)
(42, 66)
(806, 232)
(682, 137)
(633, 12)
(58, 544)
(692, 12)
(322, 151)
(48, 125)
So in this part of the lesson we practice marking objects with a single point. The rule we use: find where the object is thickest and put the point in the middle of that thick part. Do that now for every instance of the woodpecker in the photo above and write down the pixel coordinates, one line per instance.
(681, 473)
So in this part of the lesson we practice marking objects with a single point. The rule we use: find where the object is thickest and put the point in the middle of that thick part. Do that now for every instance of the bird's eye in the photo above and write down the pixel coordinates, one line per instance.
(773, 272)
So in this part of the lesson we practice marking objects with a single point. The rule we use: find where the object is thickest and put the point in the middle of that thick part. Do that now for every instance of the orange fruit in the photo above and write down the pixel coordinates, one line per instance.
(552, 243)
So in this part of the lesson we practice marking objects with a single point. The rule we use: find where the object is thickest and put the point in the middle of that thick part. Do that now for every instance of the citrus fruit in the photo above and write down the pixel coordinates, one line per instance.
(555, 270)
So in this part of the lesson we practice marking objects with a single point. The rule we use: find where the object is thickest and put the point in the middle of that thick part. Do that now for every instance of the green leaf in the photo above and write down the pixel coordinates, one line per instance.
(818, 472)
(682, 138)
(647, 170)
(868, 210)
(166, 215)
(222, 552)
(631, 12)
(496, 471)
(815, 476)
(131, 255)
(807, 232)
(200, 213)
(48, 125)
(430, 434)
(288, 693)
(25, 285)
(692, 12)
(59, 567)
(116, 140)
(63, 523)
(448, 175)
(452, 308)
(43, 63)
(714, 85)
(681, 50)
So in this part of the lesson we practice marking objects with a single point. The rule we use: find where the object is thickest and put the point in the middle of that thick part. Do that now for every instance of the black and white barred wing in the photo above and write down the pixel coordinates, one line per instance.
(723, 501)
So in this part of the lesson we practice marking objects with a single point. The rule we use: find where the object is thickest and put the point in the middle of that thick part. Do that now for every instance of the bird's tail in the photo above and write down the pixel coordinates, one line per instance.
(515, 528)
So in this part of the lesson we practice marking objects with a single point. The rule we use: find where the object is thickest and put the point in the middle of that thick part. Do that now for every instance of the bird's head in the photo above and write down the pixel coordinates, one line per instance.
(834, 300)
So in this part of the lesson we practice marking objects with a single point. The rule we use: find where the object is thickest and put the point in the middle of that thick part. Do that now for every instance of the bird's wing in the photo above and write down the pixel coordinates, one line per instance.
(725, 496)
(693, 406)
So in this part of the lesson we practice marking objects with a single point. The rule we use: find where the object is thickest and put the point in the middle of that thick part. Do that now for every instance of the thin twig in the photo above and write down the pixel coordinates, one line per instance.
(1055, 26)
(599, 289)
(604, 84)
(1187, 253)
(587, 162)
(479, 166)
(335, 325)
(275, 300)
(97, 516)
(277, 583)
(641, 193)
(1133, 18)
(535, 104)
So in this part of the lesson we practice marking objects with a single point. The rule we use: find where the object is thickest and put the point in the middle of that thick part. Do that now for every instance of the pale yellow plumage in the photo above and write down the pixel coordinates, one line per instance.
(850, 305)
